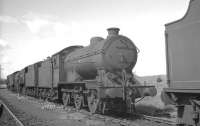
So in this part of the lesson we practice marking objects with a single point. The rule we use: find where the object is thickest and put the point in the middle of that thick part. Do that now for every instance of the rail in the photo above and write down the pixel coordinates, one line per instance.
(125, 121)
(157, 119)
(4, 107)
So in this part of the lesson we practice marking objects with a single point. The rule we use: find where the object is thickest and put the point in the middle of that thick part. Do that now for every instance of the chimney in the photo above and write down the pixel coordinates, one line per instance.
(113, 32)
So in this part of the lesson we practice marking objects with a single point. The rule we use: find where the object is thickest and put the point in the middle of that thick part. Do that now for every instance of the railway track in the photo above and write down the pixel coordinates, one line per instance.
(5, 109)
(157, 119)
(129, 122)
(125, 120)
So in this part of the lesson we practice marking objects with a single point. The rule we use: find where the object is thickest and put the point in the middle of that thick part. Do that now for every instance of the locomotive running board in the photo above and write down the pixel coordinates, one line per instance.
(136, 86)
(172, 90)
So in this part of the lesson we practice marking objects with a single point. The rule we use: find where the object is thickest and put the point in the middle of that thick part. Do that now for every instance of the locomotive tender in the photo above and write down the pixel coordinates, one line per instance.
(98, 76)
(183, 66)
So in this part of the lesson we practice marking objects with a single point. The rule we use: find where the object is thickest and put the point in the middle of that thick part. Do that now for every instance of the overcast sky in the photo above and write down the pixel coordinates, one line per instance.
(31, 30)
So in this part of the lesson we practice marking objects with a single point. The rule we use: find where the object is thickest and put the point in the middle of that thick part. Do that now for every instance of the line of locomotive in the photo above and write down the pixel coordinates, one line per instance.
(98, 76)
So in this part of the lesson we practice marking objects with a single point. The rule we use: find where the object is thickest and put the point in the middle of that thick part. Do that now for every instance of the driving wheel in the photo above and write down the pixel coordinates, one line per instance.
(78, 98)
(65, 99)
(93, 101)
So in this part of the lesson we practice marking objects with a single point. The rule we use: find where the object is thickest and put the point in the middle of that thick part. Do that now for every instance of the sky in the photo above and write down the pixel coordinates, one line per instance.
(31, 30)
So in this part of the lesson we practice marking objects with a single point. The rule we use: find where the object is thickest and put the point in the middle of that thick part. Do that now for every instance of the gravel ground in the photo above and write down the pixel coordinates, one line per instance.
(35, 112)
(27, 119)
(6, 119)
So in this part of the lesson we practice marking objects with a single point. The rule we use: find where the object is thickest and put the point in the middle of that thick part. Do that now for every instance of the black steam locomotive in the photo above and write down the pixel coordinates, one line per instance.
(98, 76)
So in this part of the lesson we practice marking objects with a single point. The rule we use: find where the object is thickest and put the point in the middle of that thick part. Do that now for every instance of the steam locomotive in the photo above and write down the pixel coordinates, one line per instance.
(98, 76)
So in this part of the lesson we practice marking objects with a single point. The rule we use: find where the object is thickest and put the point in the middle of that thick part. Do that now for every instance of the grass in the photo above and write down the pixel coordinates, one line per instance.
(153, 105)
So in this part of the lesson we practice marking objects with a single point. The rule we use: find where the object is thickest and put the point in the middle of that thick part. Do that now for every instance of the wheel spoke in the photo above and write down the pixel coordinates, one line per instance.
(78, 101)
